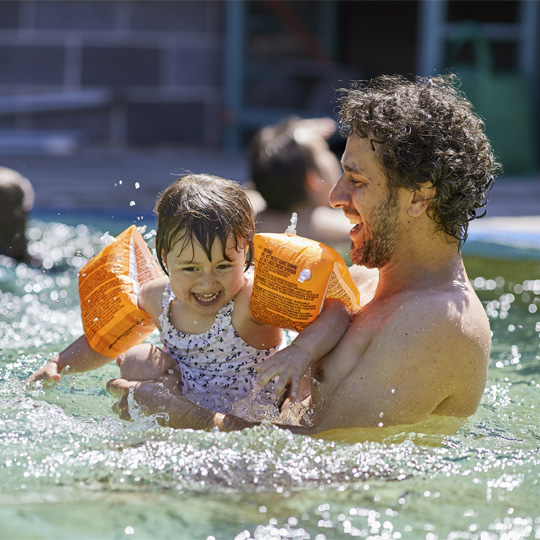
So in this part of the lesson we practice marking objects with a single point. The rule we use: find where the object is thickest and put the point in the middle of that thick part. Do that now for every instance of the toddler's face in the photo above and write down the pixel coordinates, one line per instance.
(203, 285)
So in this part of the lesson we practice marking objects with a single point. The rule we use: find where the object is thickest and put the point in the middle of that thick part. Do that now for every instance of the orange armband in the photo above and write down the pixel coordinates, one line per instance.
(293, 277)
(108, 287)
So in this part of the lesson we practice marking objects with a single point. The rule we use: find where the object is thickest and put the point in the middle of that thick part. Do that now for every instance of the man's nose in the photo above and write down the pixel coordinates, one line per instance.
(338, 196)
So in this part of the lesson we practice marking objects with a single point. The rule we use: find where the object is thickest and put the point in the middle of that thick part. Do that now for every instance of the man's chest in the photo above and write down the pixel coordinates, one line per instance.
(355, 347)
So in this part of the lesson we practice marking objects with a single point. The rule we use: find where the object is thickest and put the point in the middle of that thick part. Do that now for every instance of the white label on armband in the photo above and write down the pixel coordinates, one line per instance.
(305, 274)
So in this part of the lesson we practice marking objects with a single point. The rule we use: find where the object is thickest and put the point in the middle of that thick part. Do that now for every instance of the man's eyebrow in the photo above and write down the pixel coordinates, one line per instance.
(350, 169)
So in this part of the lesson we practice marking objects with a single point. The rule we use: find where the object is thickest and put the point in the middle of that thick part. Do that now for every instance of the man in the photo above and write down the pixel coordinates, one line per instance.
(417, 167)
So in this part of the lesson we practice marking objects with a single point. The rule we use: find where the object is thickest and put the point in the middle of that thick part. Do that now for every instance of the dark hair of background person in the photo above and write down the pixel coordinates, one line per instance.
(16, 201)
(279, 164)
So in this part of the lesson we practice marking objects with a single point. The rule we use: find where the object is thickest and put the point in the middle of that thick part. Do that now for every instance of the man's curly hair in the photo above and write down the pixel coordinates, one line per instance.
(427, 132)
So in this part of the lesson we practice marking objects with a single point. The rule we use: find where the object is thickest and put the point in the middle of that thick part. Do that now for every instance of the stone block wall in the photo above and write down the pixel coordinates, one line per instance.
(156, 67)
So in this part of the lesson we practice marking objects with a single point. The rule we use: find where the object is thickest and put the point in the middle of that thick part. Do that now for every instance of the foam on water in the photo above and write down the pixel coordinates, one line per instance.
(70, 468)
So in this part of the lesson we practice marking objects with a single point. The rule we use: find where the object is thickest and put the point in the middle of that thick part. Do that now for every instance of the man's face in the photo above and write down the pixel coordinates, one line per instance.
(365, 198)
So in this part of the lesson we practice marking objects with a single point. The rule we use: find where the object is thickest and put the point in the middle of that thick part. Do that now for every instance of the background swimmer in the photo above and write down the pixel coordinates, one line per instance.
(293, 169)
(16, 201)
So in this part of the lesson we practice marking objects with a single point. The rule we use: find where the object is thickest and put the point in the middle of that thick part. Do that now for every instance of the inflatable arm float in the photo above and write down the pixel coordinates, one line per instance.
(108, 289)
(294, 276)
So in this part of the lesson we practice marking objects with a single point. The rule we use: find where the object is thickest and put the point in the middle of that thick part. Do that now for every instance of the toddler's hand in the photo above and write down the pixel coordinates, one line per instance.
(289, 365)
(48, 373)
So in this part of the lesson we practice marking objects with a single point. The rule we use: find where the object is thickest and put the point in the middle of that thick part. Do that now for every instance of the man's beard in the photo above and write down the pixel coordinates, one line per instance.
(380, 238)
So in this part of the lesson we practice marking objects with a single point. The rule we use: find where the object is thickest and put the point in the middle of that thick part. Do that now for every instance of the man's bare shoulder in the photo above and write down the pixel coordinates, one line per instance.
(440, 341)
(409, 356)
(453, 313)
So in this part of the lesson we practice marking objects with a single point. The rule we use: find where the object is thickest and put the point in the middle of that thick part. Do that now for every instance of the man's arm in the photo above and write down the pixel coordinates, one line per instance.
(158, 397)
(429, 357)
(162, 396)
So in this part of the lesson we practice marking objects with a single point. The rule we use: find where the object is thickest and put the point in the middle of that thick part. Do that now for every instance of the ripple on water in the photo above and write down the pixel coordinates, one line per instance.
(62, 448)
(44, 443)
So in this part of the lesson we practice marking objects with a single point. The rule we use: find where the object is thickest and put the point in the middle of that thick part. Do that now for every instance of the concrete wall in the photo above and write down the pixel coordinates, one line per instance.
(155, 67)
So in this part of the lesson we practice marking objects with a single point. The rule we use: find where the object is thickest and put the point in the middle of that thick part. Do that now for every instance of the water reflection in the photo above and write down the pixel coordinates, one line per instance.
(72, 469)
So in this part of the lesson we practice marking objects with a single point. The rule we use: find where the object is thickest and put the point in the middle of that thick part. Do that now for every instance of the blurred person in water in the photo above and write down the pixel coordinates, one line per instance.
(417, 168)
(16, 201)
(293, 169)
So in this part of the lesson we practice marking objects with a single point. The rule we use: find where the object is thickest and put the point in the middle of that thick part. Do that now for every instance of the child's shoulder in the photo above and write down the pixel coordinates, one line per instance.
(243, 296)
(247, 288)
(155, 285)
(151, 294)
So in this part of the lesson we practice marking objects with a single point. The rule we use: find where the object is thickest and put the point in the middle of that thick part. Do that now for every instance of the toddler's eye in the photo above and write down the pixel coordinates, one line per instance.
(224, 266)
(189, 269)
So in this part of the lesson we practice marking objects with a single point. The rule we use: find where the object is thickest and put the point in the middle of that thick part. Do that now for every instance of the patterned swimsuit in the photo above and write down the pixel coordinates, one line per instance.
(218, 365)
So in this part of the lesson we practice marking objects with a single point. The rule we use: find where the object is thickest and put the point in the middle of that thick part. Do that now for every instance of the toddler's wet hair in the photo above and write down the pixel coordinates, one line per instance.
(203, 208)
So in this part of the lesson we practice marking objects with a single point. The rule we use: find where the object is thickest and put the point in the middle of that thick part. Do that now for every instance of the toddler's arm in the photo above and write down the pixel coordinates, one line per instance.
(78, 357)
(318, 339)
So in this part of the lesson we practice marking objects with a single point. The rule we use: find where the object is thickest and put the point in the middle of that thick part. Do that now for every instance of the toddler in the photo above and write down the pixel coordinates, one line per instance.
(204, 243)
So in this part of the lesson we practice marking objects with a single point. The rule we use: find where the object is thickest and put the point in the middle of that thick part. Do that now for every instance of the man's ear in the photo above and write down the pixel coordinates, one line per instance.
(421, 199)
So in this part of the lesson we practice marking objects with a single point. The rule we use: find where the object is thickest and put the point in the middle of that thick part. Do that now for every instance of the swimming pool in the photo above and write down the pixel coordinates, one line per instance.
(70, 469)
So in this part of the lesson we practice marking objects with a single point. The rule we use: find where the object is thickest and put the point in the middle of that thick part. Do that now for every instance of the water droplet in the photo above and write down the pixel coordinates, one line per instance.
(137, 185)
(132, 203)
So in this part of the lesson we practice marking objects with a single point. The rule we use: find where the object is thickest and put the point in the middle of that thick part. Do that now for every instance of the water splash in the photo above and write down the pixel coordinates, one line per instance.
(69, 465)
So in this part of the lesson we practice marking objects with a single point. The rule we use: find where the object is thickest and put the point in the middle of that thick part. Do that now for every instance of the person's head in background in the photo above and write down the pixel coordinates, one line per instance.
(292, 165)
(16, 201)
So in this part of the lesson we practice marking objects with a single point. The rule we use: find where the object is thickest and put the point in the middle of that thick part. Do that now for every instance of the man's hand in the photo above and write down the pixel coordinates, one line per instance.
(163, 396)
(48, 373)
(119, 388)
(153, 396)
(289, 365)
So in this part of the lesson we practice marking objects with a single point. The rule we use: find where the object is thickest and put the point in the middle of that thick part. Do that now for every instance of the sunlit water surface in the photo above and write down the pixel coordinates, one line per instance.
(71, 469)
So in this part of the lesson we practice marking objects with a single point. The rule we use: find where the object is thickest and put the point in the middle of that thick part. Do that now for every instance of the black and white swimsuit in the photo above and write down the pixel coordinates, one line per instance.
(218, 364)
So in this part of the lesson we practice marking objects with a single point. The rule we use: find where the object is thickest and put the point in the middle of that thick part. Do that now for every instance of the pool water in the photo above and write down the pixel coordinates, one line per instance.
(69, 469)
